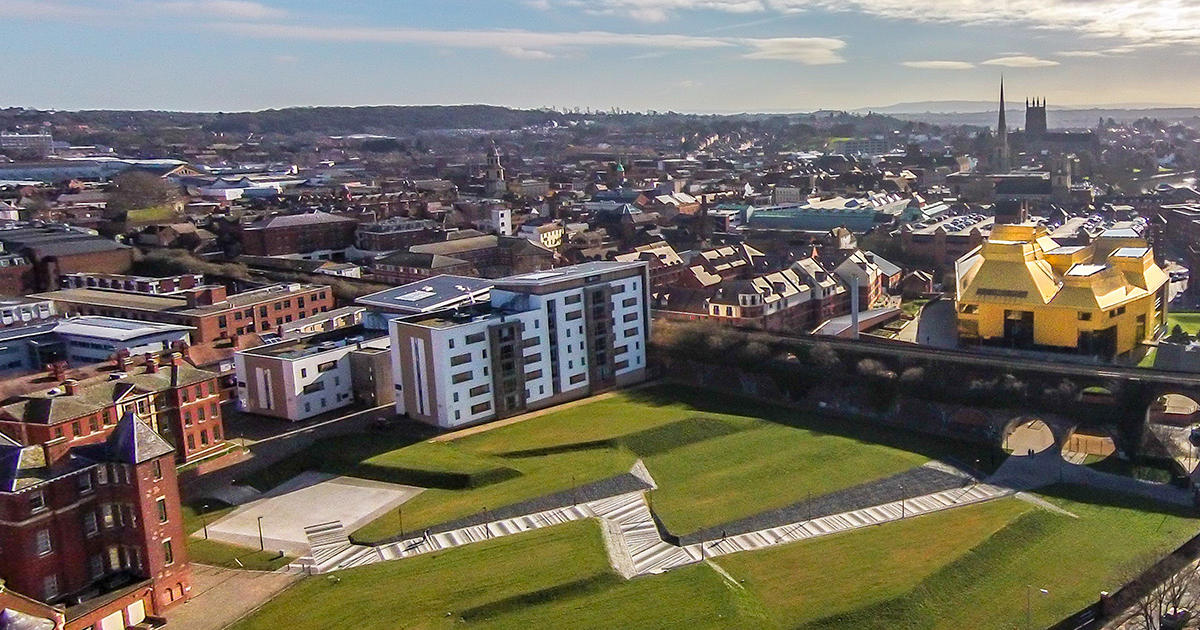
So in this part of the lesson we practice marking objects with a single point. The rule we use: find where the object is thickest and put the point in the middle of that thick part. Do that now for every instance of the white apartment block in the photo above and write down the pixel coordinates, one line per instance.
(546, 337)
(301, 378)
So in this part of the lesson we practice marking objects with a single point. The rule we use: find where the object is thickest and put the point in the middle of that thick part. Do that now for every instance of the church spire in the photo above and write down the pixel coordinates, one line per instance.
(1002, 133)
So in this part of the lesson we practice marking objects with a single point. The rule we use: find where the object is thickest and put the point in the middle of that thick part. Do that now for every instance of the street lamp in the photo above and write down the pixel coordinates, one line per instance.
(204, 518)
(1029, 604)
(261, 545)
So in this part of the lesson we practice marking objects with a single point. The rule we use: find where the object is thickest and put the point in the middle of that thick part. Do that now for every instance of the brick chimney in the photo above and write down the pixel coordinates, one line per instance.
(151, 363)
(176, 359)
(70, 386)
(122, 360)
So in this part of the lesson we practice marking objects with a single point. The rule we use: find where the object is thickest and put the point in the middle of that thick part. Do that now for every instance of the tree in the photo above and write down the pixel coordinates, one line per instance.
(1170, 602)
(133, 190)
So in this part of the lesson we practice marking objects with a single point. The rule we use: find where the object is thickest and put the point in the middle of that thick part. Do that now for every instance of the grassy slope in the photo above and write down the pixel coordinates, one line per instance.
(420, 592)
(846, 572)
(1074, 558)
(963, 568)
(704, 449)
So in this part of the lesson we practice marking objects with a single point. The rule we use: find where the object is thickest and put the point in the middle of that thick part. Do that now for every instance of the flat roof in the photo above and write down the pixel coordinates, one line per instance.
(572, 272)
(117, 299)
(312, 345)
(436, 293)
(114, 328)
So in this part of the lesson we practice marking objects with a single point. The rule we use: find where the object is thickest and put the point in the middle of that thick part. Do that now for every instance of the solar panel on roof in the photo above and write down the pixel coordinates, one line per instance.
(415, 296)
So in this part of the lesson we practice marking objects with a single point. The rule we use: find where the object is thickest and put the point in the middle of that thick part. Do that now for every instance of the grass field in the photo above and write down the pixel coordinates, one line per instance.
(962, 568)
(1190, 322)
(716, 458)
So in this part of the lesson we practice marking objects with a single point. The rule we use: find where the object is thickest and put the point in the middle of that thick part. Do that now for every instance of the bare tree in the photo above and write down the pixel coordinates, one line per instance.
(1169, 603)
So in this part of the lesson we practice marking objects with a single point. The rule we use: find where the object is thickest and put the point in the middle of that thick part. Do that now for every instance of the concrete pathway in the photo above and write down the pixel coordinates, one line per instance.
(633, 540)
(222, 596)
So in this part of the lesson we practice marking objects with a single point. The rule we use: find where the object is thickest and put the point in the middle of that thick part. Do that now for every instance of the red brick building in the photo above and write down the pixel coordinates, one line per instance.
(318, 233)
(93, 528)
(213, 313)
(177, 399)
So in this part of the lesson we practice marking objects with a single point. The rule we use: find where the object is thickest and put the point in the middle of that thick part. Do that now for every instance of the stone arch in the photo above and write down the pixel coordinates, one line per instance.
(1025, 434)
(1086, 444)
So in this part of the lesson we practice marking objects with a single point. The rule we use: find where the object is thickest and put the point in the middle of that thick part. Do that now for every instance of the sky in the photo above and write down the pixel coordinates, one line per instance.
(680, 55)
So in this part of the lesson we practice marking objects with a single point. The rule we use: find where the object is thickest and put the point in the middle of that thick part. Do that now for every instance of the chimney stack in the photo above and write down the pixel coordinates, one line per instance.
(123, 360)
(70, 386)
(151, 363)
(176, 359)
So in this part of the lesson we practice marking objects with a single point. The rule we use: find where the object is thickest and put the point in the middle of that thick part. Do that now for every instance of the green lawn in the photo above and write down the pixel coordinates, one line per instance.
(961, 568)
(844, 573)
(716, 458)
(1073, 558)
(1190, 322)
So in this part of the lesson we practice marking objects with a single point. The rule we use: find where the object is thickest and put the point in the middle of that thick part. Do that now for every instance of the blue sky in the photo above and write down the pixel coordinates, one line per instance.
(683, 55)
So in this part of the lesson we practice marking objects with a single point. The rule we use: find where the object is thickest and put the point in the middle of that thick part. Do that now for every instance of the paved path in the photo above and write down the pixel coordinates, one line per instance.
(222, 596)
(633, 540)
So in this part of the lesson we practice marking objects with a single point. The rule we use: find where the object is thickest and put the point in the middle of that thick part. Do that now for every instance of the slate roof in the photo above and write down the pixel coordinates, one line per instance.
(134, 442)
(297, 220)
(52, 405)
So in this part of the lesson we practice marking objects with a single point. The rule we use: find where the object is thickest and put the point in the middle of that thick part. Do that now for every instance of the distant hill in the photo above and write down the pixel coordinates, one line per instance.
(323, 120)
(983, 113)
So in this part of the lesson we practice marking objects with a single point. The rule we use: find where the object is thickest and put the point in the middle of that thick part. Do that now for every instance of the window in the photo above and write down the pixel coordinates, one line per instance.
(76, 428)
(481, 407)
(454, 398)
(222, 321)
(41, 543)
(303, 372)
(84, 483)
(200, 414)
(477, 391)
(50, 587)
(204, 438)
(328, 365)
(114, 558)
(1085, 316)
(629, 317)
(187, 418)
(161, 505)
(102, 475)
(460, 359)
(156, 467)
(96, 566)
(90, 525)
(627, 302)
(191, 442)
(168, 552)
(475, 338)
(578, 378)
(572, 299)
(461, 377)
(93, 424)
(37, 501)
(314, 387)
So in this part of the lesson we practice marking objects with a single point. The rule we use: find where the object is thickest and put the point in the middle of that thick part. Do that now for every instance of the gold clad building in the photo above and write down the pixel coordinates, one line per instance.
(1021, 289)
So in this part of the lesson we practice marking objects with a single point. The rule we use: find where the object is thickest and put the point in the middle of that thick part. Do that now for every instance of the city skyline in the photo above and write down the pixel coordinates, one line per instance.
(683, 55)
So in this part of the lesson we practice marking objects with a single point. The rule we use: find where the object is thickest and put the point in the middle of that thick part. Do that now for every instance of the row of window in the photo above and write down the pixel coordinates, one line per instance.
(191, 438)
(213, 412)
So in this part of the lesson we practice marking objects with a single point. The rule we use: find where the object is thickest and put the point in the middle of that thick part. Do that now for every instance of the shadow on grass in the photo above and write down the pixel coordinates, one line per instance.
(341, 455)
(1094, 496)
(645, 443)
(984, 457)
(576, 588)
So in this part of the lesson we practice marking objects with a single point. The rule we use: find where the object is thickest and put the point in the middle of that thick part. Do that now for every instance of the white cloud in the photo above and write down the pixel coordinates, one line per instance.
(524, 44)
(98, 9)
(1133, 21)
(810, 51)
(1020, 61)
(524, 53)
(285, 58)
(938, 65)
